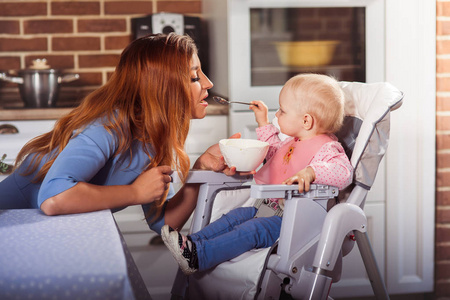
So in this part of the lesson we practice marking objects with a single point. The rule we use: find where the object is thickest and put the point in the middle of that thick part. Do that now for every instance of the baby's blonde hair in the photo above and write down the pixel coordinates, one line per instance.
(321, 97)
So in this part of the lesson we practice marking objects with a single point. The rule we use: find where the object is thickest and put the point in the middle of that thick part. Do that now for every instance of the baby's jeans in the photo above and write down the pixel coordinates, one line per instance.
(233, 234)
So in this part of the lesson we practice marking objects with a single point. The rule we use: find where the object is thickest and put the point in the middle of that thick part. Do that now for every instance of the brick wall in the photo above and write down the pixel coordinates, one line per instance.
(84, 37)
(442, 270)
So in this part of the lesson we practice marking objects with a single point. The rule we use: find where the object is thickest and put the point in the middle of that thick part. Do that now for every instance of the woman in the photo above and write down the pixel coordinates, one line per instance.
(119, 146)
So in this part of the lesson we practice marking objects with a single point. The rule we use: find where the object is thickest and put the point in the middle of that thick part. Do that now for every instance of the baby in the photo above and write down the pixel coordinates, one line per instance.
(311, 110)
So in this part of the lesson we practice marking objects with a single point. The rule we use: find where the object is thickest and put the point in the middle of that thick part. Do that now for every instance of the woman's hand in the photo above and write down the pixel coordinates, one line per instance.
(151, 185)
(261, 113)
(303, 178)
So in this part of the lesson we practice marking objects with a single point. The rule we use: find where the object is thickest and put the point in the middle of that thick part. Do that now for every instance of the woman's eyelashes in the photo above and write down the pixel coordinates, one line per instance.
(195, 79)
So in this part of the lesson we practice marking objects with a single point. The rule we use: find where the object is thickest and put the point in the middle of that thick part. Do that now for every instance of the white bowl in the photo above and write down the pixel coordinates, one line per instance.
(244, 154)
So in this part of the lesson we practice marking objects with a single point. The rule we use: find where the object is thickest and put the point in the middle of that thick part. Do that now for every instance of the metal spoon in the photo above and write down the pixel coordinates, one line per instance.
(225, 101)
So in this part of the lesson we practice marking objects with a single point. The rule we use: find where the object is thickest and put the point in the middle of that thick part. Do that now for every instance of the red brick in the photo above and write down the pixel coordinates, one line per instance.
(340, 12)
(334, 25)
(75, 8)
(25, 44)
(75, 43)
(442, 179)
(442, 8)
(442, 141)
(54, 61)
(102, 25)
(442, 216)
(309, 25)
(443, 65)
(442, 252)
(442, 198)
(20, 9)
(443, 103)
(443, 27)
(48, 26)
(442, 234)
(117, 42)
(88, 79)
(10, 27)
(443, 84)
(109, 74)
(442, 270)
(98, 61)
(128, 7)
(182, 7)
(443, 122)
(9, 63)
(442, 289)
(443, 46)
(443, 160)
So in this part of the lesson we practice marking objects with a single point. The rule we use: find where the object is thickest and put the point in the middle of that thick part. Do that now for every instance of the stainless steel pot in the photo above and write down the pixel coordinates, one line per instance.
(39, 88)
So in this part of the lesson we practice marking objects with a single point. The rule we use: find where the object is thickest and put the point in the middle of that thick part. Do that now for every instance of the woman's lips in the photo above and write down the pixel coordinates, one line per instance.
(203, 101)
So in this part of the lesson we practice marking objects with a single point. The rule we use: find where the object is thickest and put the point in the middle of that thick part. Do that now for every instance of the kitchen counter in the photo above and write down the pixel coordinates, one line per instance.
(79, 256)
(17, 113)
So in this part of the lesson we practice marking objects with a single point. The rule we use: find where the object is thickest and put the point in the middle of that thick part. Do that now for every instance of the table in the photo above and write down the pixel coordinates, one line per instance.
(79, 256)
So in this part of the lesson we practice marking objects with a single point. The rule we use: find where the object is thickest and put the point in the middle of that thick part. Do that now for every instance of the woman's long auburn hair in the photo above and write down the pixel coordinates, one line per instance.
(147, 99)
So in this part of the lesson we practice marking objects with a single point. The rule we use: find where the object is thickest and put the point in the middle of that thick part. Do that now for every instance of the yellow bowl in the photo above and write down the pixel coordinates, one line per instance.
(306, 53)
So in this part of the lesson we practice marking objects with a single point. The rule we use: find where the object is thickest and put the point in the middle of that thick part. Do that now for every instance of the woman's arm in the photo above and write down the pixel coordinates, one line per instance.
(181, 206)
(88, 176)
(86, 197)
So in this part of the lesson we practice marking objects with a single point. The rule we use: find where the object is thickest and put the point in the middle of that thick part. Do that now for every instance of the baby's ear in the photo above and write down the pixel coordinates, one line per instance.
(308, 121)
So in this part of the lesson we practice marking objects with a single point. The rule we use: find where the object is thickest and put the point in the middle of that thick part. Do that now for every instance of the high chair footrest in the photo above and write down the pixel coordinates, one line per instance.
(316, 191)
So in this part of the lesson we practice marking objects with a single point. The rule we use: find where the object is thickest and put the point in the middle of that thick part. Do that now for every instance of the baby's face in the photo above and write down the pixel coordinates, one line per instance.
(289, 119)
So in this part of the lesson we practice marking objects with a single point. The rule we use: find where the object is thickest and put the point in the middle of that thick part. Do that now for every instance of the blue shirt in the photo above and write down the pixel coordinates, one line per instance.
(88, 157)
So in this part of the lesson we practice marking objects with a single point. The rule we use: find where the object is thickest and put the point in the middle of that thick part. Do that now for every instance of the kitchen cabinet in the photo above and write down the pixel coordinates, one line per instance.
(11, 143)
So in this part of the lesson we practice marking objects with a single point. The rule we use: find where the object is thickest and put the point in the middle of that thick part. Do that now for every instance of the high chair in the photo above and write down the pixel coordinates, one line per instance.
(319, 227)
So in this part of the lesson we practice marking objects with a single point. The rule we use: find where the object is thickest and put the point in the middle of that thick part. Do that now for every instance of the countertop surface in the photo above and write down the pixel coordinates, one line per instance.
(21, 113)
(78, 256)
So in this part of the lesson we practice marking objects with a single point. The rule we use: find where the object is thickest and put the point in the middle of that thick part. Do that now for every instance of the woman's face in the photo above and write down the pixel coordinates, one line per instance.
(200, 84)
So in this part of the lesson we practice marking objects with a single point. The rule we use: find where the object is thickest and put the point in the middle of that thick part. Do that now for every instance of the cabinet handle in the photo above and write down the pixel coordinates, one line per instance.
(5, 169)
(8, 129)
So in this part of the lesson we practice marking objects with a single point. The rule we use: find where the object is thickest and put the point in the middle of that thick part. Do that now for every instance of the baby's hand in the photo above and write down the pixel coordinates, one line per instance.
(261, 112)
(303, 178)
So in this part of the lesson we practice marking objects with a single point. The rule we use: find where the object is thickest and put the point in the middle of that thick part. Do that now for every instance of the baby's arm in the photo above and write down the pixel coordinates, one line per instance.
(332, 166)
(329, 166)
(266, 132)
(261, 113)
(303, 178)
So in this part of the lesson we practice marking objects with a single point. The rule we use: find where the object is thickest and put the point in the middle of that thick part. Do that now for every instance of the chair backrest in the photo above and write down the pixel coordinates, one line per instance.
(365, 134)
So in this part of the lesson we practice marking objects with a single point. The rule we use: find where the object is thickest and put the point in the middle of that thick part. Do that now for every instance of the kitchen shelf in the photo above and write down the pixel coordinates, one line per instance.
(294, 69)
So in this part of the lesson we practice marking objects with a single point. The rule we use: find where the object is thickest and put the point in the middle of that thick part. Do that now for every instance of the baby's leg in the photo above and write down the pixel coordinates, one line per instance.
(225, 223)
(254, 233)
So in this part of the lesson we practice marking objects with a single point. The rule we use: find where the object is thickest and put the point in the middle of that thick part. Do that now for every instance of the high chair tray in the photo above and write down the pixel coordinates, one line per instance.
(316, 191)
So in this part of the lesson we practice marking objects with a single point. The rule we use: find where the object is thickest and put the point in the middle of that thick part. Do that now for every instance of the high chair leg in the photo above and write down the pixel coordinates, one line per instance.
(373, 272)
(179, 286)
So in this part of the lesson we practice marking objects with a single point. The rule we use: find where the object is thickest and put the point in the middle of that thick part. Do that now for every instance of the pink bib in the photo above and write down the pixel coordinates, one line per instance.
(290, 159)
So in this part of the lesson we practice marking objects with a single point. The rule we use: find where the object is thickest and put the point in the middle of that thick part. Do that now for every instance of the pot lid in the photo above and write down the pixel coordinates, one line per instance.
(38, 66)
